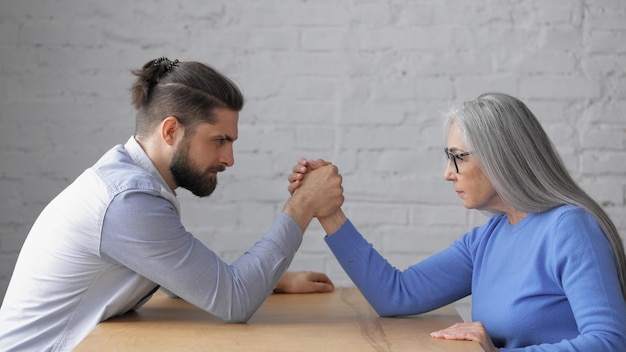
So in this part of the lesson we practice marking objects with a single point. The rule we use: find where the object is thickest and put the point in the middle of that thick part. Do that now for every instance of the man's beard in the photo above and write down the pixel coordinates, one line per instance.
(200, 183)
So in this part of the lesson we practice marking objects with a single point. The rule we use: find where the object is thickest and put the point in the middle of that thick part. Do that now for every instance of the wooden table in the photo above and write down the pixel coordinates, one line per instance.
(338, 321)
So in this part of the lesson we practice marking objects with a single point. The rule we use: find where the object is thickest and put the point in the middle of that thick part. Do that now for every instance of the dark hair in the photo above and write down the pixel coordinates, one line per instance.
(189, 90)
(525, 169)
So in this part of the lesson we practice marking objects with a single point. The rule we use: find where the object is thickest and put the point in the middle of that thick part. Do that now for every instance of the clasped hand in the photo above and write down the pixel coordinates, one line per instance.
(319, 195)
(300, 169)
(326, 192)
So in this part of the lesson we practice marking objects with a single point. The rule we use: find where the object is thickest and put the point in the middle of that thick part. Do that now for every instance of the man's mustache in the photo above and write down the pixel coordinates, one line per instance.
(216, 168)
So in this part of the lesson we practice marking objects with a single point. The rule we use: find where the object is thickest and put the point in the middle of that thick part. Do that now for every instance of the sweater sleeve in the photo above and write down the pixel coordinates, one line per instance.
(143, 232)
(427, 285)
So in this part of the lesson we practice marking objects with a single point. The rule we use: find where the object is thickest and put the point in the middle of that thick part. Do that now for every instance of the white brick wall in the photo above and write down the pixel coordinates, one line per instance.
(359, 82)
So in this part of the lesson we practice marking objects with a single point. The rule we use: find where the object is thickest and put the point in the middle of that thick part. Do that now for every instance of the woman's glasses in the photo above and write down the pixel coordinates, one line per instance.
(455, 157)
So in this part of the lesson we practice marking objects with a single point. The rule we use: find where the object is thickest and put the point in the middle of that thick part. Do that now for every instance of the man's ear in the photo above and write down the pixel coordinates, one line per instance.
(170, 129)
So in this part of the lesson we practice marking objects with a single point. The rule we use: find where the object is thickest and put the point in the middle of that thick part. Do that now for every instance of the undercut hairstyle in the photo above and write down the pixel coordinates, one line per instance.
(512, 149)
(189, 91)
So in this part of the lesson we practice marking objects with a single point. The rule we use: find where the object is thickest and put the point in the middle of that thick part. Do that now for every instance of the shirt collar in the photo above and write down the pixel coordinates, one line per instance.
(141, 159)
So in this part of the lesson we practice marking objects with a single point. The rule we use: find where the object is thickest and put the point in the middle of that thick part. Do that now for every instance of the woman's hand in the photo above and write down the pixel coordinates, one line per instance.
(304, 282)
(472, 331)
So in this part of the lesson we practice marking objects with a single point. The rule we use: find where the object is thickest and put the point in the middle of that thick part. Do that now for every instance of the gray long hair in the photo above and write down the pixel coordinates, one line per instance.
(523, 166)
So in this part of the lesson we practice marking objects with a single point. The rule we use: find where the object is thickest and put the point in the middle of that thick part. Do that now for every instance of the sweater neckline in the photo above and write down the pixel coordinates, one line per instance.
(518, 226)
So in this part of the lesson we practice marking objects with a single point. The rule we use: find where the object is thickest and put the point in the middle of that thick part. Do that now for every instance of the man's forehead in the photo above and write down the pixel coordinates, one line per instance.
(224, 129)
(225, 117)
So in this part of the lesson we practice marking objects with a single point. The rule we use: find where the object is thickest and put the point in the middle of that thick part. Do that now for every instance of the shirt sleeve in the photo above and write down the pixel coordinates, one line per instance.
(434, 282)
(143, 232)
(583, 264)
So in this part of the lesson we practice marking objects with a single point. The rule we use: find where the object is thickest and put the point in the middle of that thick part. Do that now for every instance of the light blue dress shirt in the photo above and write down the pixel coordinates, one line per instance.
(108, 240)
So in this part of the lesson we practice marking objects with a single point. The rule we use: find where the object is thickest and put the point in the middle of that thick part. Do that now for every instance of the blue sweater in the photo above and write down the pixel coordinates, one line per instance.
(547, 283)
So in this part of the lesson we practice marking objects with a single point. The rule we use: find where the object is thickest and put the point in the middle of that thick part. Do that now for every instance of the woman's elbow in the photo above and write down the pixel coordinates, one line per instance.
(386, 311)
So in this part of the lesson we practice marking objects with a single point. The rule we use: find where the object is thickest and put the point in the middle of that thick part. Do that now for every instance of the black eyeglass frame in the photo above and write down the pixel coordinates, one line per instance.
(454, 157)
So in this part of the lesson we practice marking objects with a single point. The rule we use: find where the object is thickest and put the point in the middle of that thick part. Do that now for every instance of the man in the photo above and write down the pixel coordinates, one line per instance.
(114, 236)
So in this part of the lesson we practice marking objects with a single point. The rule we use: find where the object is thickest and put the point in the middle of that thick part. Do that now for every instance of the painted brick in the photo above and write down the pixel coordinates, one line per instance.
(603, 137)
(606, 42)
(467, 87)
(363, 84)
(606, 191)
(558, 87)
(603, 162)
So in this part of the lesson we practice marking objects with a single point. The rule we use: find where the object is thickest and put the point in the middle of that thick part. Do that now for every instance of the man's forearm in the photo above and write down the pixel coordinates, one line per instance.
(298, 212)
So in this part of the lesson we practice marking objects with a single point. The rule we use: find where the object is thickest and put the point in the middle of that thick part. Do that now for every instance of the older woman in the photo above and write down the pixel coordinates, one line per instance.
(546, 272)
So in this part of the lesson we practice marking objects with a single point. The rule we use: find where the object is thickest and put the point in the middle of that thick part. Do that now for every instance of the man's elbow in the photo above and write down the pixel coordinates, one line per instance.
(238, 319)
(236, 316)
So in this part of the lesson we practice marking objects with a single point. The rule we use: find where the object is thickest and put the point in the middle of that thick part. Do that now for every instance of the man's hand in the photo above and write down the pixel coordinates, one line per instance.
(319, 195)
(304, 282)
(301, 168)
(331, 222)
